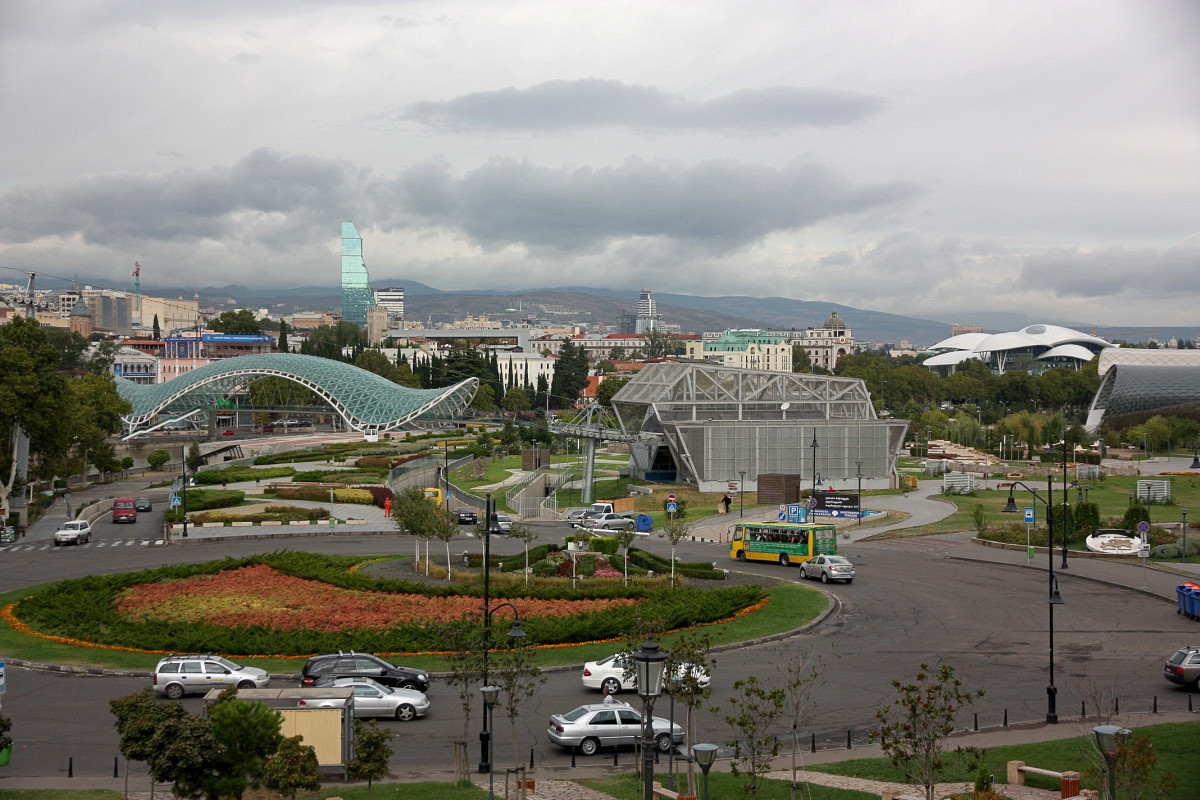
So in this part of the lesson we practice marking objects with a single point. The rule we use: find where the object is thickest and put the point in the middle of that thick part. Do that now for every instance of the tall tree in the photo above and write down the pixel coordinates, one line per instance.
(371, 753)
(281, 344)
(241, 323)
(156, 330)
(570, 375)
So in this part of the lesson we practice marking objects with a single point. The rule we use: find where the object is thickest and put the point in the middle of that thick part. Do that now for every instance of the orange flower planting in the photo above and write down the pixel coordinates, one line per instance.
(260, 595)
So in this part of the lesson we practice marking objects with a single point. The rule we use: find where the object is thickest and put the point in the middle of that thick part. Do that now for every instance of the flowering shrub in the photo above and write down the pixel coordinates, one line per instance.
(280, 605)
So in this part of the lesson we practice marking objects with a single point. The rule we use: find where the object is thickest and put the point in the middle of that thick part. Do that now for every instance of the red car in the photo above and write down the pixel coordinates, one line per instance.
(228, 432)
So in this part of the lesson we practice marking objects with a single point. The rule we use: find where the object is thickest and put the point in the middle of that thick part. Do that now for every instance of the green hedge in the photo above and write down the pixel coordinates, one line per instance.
(82, 608)
(205, 500)
(210, 477)
(662, 566)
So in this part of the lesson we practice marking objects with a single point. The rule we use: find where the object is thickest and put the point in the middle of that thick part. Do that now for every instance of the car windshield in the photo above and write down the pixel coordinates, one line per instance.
(226, 663)
(571, 716)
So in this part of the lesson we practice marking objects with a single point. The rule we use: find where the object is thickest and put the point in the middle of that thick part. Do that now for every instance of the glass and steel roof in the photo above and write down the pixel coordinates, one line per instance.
(366, 401)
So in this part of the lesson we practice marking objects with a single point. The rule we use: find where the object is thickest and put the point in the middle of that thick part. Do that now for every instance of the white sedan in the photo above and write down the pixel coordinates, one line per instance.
(373, 699)
(610, 674)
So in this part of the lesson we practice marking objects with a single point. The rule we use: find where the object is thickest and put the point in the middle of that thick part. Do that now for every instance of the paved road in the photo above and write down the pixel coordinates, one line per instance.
(927, 599)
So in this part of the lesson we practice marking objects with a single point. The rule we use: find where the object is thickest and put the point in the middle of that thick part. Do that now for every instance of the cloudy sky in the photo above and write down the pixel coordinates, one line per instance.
(925, 158)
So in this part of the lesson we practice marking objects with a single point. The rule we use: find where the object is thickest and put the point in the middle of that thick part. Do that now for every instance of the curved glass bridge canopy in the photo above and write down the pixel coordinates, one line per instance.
(367, 402)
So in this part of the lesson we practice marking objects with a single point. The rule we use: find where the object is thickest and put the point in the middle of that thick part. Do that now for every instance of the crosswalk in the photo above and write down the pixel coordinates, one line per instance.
(25, 547)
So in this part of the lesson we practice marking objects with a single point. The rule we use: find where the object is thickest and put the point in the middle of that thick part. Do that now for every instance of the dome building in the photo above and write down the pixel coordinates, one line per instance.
(1033, 349)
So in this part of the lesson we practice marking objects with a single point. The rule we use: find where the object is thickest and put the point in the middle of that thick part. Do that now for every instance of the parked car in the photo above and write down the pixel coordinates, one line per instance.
(1183, 667)
(607, 522)
(828, 568)
(466, 515)
(599, 725)
(123, 510)
(362, 665)
(73, 532)
(610, 674)
(176, 676)
(574, 515)
(143, 504)
(373, 699)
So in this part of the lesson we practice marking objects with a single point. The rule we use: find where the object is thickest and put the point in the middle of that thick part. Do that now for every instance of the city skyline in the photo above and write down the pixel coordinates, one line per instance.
(905, 158)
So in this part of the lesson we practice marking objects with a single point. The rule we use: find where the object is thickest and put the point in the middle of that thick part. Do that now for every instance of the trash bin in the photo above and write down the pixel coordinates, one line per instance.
(1181, 598)
(643, 523)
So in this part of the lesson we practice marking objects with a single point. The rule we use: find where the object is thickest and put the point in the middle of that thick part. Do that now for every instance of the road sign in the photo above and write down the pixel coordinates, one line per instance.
(672, 506)
(1029, 515)
(176, 501)
(796, 512)
(1143, 527)
(1144, 551)
(3, 679)
(783, 516)
(670, 498)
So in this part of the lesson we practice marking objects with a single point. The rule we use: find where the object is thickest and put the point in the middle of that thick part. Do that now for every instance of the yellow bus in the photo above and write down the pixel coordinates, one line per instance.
(436, 495)
(785, 542)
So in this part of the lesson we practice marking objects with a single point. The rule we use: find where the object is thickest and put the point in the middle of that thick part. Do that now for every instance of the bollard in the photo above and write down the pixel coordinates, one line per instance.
(573, 749)
(1006, 717)
(976, 728)
(70, 767)
(1155, 711)
(614, 756)
(1116, 705)
(814, 735)
(1083, 709)
(531, 758)
(116, 771)
(1189, 704)
(849, 744)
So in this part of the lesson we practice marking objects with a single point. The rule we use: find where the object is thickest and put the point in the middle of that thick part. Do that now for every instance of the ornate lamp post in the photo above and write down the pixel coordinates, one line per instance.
(1055, 598)
(705, 754)
(492, 526)
(858, 474)
(649, 663)
(814, 447)
(1111, 738)
(742, 493)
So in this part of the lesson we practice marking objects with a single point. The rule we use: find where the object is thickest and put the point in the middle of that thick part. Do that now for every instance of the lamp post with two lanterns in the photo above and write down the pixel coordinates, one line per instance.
(1055, 598)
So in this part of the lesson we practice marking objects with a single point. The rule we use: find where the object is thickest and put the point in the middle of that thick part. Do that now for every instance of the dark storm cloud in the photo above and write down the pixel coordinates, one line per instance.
(1114, 270)
(593, 102)
(714, 206)
(185, 205)
(723, 204)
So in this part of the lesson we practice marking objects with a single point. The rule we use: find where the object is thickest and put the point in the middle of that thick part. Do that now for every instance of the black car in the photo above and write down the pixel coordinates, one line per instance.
(466, 516)
(362, 665)
(143, 504)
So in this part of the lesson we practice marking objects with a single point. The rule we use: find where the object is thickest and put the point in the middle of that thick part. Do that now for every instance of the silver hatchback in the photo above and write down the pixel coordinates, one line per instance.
(1184, 667)
(176, 676)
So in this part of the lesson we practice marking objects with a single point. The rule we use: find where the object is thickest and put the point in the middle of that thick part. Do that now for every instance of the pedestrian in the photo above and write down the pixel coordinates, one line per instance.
(387, 507)
(726, 501)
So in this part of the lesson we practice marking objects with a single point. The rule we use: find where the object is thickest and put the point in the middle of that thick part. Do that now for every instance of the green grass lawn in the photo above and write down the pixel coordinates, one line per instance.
(1176, 745)
(790, 606)
(380, 791)
(724, 785)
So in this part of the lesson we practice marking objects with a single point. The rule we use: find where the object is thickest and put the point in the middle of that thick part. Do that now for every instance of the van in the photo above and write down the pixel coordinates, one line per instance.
(124, 510)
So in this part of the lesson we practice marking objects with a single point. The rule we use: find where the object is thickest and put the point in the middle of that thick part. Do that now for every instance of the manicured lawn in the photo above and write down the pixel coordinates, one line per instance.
(381, 791)
(789, 607)
(1176, 745)
(723, 785)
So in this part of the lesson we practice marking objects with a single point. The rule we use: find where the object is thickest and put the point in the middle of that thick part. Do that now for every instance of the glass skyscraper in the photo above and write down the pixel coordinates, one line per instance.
(356, 289)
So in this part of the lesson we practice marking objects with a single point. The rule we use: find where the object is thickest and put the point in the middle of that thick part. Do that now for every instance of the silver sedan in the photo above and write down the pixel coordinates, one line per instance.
(599, 725)
(828, 568)
(372, 699)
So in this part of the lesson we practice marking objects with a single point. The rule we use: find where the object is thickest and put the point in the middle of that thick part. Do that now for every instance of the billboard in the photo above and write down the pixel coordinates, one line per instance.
(837, 504)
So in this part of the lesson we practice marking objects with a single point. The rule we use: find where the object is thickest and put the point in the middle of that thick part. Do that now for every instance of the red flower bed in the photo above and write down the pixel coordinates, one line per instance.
(260, 595)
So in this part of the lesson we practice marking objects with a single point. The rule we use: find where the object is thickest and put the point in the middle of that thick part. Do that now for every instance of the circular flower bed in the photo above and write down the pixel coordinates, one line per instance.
(293, 604)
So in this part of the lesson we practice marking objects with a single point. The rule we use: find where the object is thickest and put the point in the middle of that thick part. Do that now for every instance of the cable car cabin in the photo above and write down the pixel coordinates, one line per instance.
(785, 542)
(436, 495)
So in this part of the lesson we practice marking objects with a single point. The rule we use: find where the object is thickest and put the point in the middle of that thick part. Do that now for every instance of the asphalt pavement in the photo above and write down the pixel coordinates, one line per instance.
(1154, 580)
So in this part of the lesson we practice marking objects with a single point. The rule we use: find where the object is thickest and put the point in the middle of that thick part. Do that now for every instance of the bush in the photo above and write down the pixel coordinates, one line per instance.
(204, 500)
(379, 494)
(357, 496)
(604, 544)
(1134, 515)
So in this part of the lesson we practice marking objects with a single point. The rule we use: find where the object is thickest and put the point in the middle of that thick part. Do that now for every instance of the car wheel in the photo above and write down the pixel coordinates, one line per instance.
(245, 684)
(589, 746)
(849, 581)
(741, 555)
(410, 685)
(824, 577)
(611, 685)
(663, 742)
(1196, 685)
(406, 713)
(56, 544)
(803, 574)
(783, 560)
(175, 691)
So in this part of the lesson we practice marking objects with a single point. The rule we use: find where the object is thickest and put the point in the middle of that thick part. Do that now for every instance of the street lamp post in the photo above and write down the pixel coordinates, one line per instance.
(183, 494)
(491, 526)
(1066, 510)
(1055, 598)
(1110, 739)
(1184, 531)
(673, 683)
(742, 493)
(649, 663)
(858, 474)
(490, 694)
(814, 447)
(705, 754)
